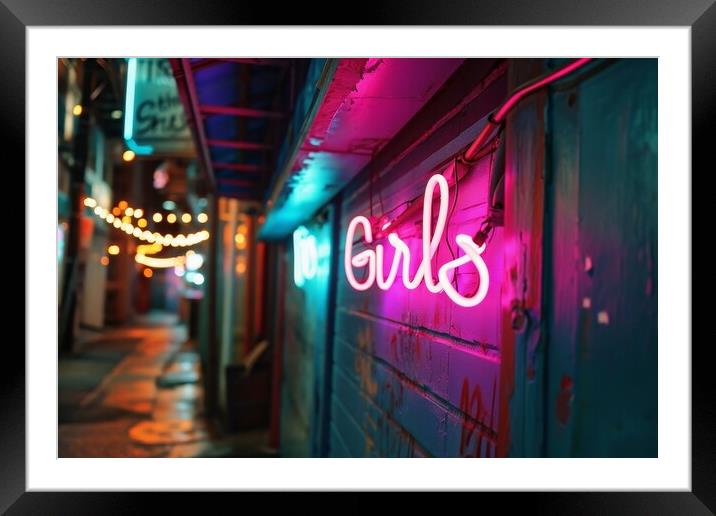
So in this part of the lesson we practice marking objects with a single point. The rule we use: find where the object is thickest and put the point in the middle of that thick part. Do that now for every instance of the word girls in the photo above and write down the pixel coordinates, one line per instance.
(372, 259)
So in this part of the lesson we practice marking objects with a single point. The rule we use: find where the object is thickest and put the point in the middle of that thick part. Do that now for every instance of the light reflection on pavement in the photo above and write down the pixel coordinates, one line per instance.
(149, 404)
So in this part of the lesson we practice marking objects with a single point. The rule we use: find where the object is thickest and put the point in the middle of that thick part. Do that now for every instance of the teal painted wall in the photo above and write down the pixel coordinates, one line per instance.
(602, 324)
(412, 374)
(303, 398)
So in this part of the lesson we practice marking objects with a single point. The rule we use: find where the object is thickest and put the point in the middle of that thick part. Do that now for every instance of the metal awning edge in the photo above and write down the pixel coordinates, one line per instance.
(324, 82)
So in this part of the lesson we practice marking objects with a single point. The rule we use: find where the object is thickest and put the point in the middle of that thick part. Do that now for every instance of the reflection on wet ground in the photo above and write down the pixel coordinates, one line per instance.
(136, 391)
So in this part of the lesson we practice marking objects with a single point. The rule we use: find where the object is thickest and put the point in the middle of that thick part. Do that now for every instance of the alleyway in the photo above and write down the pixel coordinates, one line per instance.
(136, 391)
(351, 255)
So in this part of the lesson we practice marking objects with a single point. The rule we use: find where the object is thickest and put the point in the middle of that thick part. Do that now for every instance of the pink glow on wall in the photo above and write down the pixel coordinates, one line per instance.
(373, 259)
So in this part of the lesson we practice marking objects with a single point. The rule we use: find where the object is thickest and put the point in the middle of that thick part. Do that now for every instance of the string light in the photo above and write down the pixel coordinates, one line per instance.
(113, 250)
(124, 223)
(124, 209)
(149, 249)
(159, 263)
(148, 273)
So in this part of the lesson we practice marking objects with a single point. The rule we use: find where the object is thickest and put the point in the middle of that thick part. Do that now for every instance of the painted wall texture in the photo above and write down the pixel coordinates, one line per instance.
(306, 310)
(414, 374)
(602, 324)
(560, 357)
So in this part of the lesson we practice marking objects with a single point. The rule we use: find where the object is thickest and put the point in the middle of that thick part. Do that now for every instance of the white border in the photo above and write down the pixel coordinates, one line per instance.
(670, 471)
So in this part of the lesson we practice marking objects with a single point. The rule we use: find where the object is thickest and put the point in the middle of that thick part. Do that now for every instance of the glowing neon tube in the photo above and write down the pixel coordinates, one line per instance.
(305, 256)
(372, 259)
(159, 263)
(512, 101)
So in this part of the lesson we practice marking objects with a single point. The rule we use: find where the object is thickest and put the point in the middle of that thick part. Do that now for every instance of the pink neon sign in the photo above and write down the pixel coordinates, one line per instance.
(373, 259)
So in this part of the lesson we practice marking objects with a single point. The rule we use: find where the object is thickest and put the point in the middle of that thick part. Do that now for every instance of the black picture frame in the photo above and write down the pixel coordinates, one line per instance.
(700, 15)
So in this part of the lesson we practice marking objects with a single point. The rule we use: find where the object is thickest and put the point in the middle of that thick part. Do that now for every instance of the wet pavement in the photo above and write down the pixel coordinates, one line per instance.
(136, 391)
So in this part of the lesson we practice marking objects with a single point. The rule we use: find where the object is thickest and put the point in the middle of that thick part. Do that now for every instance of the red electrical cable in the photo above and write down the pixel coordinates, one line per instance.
(477, 148)
(496, 120)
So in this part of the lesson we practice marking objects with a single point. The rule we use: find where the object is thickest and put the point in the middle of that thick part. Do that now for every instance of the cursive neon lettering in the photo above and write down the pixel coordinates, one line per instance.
(372, 260)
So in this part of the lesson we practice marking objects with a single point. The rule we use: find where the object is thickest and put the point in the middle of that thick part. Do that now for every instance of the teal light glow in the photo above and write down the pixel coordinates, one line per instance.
(305, 256)
(305, 191)
(129, 110)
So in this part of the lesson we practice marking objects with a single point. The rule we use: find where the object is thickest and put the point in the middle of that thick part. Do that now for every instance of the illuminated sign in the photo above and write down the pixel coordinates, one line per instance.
(154, 119)
(372, 259)
(305, 256)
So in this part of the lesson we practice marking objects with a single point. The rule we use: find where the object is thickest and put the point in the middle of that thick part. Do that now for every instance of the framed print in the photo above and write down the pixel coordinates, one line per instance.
(304, 257)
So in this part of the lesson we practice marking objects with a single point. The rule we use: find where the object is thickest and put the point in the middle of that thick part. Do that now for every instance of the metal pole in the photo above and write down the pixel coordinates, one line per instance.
(212, 394)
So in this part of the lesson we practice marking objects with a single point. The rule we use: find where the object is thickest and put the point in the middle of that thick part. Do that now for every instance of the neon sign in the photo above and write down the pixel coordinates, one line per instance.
(305, 256)
(372, 259)
(154, 119)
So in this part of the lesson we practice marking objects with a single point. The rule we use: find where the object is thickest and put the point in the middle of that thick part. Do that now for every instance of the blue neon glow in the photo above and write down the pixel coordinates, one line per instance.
(129, 110)
(305, 256)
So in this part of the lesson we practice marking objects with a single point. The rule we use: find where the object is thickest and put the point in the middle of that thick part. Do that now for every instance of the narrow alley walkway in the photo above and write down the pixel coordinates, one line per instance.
(136, 391)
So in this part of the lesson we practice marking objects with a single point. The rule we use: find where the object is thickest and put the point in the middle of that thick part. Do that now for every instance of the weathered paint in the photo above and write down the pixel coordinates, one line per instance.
(305, 334)
(414, 373)
(521, 381)
(603, 249)
(406, 374)
(523, 374)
